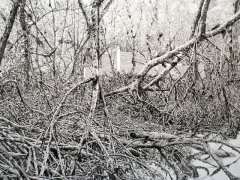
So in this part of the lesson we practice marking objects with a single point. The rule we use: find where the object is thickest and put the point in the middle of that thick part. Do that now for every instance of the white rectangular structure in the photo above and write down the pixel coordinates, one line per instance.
(118, 59)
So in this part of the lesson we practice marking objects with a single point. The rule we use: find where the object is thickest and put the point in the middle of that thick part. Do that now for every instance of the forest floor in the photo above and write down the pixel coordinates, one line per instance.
(46, 135)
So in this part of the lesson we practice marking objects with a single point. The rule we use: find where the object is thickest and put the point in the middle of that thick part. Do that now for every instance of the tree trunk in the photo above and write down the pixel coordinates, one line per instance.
(26, 33)
(133, 54)
(236, 39)
(8, 29)
(95, 44)
(133, 63)
(111, 59)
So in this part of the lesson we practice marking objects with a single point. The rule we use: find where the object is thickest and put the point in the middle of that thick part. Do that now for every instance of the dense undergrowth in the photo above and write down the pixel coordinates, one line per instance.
(54, 124)
(44, 133)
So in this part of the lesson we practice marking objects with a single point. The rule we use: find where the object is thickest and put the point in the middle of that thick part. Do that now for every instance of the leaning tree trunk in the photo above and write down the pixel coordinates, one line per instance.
(8, 28)
(6, 34)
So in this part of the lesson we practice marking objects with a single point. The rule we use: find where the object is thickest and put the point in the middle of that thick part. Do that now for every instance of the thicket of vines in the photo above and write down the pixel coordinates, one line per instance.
(120, 125)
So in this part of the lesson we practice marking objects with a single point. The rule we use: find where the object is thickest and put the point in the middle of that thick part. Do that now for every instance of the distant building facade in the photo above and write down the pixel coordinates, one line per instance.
(122, 62)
